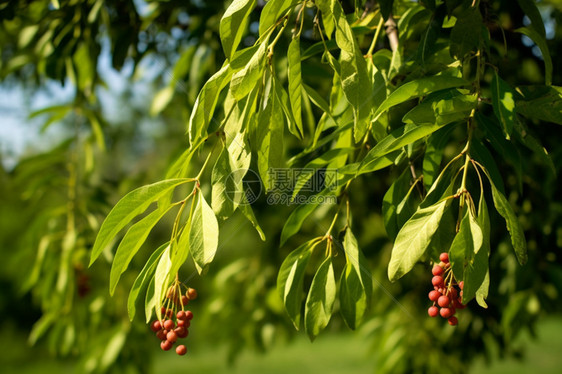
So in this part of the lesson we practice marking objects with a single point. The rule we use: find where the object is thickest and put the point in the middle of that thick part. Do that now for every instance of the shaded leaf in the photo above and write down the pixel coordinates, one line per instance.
(540, 41)
(320, 300)
(356, 284)
(290, 280)
(503, 103)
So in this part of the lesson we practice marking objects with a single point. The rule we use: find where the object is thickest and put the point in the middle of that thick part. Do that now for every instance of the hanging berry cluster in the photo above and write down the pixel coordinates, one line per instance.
(444, 294)
(175, 319)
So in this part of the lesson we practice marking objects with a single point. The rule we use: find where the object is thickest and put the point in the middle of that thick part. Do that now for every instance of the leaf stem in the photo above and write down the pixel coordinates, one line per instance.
(369, 54)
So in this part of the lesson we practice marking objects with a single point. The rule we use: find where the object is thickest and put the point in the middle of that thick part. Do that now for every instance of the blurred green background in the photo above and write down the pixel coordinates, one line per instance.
(94, 98)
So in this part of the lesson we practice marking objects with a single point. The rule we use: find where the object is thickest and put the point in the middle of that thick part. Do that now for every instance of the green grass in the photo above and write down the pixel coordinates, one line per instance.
(330, 354)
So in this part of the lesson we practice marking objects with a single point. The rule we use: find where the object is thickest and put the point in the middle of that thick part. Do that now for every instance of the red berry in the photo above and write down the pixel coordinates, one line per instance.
(155, 326)
(183, 323)
(461, 285)
(172, 336)
(445, 312)
(443, 301)
(180, 315)
(453, 310)
(166, 345)
(433, 311)
(453, 321)
(188, 315)
(184, 300)
(169, 324)
(169, 313)
(181, 332)
(163, 310)
(444, 257)
(453, 293)
(437, 280)
(161, 334)
(191, 293)
(434, 295)
(181, 350)
(437, 270)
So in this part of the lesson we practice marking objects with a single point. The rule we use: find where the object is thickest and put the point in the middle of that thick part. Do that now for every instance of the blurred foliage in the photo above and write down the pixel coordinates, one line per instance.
(52, 203)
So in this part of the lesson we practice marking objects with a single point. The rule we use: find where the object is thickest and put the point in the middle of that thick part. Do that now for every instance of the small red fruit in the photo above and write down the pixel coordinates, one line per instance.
(172, 337)
(166, 345)
(437, 270)
(446, 312)
(169, 324)
(183, 323)
(461, 285)
(181, 332)
(180, 315)
(155, 326)
(433, 311)
(443, 301)
(434, 295)
(444, 257)
(188, 315)
(161, 334)
(184, 300)
(437, 280)
(453, 321)
(181, 350)
(191, 293)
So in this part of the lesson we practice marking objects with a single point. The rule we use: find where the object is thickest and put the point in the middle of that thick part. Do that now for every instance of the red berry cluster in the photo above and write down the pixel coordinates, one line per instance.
(444, 294)
(168, 330)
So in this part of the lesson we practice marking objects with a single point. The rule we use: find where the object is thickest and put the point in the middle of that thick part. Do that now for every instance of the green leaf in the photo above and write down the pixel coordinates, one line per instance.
(504, 147)
(245, 80)
(298, 215)
(481, 153)
(295, 82)
(531, 10)
(355, 80)
(131, 243)
(270, 140)
(386, 7)
(246, 209)
(356, 284)
(540, 103)
(284, 101)
(312, 167)
(144, 277)
(540, 41)
(392, 199)
(224, 186)
(466, 244)
(513, 226)
(433, 155)
(476, 270)
(204, 107)
(466, 35)
(503, 103)
(417, 88)
(157, 290)
(133, 204)
(150, 299)
(535, 145)
(272, 12)
(396, 140)
(233, 24)
(320, 300)
(413, 239)
(442, 108)
(161, 99)
(41, 326)
(204, 234)
(290, 280)
(429, 38)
